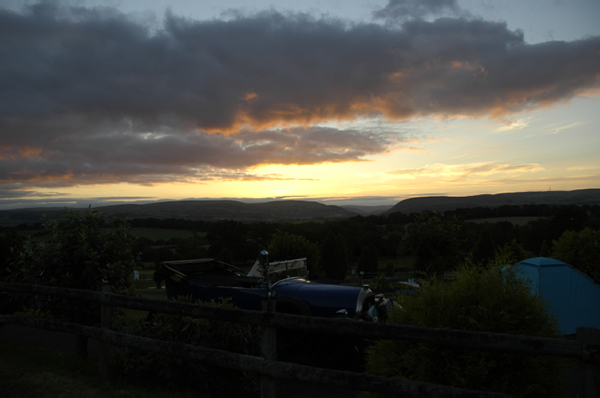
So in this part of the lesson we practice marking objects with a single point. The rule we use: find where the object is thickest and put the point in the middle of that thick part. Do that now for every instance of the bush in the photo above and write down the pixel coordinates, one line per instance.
(580, 250)
(183, 374)
(333, 257)
(83, 251)
(434, 242)
(368, 261)
(486, 300)
(286, 246)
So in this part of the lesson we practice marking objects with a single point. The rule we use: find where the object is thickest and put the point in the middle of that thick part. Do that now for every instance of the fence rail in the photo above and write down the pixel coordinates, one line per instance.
(586, 350)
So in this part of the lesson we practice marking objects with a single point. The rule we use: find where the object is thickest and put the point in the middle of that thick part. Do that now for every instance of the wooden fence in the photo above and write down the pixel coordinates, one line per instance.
(586, 348)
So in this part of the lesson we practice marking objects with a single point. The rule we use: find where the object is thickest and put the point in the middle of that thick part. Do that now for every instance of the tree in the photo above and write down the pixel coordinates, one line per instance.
(484, 300)
(334, 257)
(225, 256)
(534, 233)
(389, 269)
(368, 261)
(231, 234)
(545, 250)
(285, 246)
(8, 302)
(581, 250)
(191, 248)
(568, 218)
(513, 252)
(81, 251)
(180, 373)
(434, 242)
(393, 242)
(485, 247)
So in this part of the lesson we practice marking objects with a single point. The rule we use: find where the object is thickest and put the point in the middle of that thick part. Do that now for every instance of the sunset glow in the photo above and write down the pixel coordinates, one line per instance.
(366, 101)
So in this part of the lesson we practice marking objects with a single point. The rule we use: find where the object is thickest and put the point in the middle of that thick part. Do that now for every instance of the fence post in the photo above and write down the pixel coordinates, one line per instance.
(589, 368)
(268, 351)
(104, 346)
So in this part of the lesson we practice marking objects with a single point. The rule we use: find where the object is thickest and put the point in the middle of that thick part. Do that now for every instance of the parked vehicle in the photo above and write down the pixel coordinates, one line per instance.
(284, 281)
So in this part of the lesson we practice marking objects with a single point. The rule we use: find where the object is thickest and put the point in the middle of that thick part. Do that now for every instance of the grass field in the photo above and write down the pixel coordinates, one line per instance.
(27, 371)
(162, 233)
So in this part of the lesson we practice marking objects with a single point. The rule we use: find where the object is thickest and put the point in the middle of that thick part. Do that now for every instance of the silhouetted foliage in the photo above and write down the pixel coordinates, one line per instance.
(285, 246)
(334, 259)
(230, 234)
(225, 256)
(580, 250)
(545, 250)
(485, 247)
(82, 251)
(368, 261)
(179, 373)
(534, 234)
(493, 300)
(190, 248)
(434, 242)
(568, 218)
(392, 243)
(512, 252)
(390, 234)
(10, 244)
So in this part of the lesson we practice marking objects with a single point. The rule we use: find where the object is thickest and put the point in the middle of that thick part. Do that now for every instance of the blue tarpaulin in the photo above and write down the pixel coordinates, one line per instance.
(574, 298)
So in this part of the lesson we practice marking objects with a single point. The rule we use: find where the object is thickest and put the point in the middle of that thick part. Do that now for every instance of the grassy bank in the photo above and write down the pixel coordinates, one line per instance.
(27, 371)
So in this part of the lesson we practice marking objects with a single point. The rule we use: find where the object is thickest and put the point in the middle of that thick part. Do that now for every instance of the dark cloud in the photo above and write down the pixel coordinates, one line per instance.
(409, 9)
(93, 96)
(147, 158)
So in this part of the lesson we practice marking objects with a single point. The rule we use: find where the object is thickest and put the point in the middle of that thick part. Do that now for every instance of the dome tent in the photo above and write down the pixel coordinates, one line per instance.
(573, 297)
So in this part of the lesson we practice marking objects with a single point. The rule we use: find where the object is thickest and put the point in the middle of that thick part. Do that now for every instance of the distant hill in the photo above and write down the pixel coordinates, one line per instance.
(297, 210)
(212, 210)
(444, 203)
(207, 210)
(367, 210)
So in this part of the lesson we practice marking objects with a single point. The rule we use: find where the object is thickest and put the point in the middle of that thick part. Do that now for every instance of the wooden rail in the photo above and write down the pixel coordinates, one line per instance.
(269, 368)
(586, 349)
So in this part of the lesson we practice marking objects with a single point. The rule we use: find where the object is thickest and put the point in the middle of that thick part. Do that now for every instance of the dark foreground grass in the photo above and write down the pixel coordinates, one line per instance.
(27, 371)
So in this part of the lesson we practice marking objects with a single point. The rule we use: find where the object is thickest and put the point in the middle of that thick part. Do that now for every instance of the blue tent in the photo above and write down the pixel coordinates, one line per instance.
(574, 298)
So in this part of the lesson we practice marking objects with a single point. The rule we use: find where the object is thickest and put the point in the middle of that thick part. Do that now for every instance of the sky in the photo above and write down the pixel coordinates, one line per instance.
(340, 101)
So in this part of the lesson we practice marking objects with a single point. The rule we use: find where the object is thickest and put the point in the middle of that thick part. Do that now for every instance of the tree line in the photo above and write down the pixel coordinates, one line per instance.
(429, 242)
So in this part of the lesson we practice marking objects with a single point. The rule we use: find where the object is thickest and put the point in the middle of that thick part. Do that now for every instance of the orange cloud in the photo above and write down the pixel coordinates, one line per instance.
(30, 152)
(24, 152)
(248, 97)
(37, 177)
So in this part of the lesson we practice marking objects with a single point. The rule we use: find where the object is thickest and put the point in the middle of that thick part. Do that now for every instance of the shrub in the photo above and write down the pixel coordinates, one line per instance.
(286, 246)
(485, 247)
(389, 269)
(183, 374)
(581, 250)
(83, 250)
(368, 261)
(434, 242)
(486, 300)
(333, 257)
